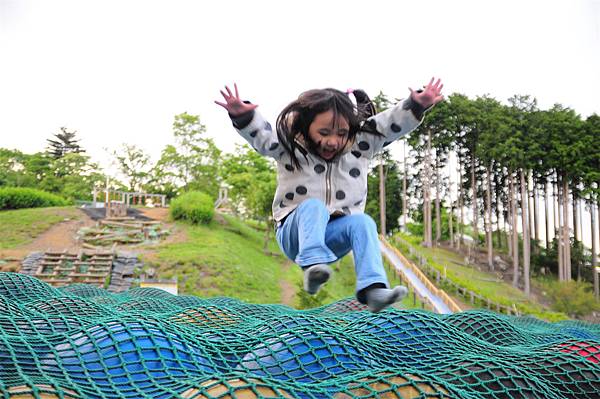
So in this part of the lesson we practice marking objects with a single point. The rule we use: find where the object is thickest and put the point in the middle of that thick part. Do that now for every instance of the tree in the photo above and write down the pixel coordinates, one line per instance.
(72, 176)
(12, 169)
(392, 190)
(196, 159)
(563, 152)
(134, 165)
(64, 143)
(382, 103)
(492, 123)
(252, 179)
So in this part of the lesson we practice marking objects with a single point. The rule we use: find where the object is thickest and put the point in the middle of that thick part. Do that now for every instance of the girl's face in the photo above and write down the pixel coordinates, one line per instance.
(329, 136)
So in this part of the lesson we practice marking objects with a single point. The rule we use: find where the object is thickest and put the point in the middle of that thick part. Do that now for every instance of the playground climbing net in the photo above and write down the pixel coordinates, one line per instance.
(81, 341)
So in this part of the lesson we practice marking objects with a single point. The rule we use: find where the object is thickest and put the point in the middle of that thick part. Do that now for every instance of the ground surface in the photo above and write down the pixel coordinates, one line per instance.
(63, 237)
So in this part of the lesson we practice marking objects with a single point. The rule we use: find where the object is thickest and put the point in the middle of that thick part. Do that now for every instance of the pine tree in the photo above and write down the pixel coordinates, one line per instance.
(64, 143)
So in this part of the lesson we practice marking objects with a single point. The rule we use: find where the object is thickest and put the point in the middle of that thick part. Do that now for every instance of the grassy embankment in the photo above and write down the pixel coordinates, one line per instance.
(22, 226)
(485, 284)
(227, 259)
(219, 259)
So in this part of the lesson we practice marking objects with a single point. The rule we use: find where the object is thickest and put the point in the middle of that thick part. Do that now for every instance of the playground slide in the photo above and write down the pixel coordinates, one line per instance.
(414, 281)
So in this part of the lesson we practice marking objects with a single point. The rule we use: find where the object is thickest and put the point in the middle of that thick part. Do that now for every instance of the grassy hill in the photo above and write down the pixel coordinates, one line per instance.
(226, 258)
(21, 226)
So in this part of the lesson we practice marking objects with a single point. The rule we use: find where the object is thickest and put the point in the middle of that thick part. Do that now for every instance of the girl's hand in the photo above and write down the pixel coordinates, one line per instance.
(233, 104)
(431, 94)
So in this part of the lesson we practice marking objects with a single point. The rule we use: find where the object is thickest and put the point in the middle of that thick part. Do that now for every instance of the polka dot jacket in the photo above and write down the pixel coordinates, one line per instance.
(340, 183)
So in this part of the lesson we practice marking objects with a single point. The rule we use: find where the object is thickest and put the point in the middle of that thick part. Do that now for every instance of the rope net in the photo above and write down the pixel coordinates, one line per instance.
(81, 341)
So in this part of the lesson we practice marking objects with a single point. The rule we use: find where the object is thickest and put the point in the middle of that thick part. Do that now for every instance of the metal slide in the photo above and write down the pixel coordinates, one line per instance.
(438, 305)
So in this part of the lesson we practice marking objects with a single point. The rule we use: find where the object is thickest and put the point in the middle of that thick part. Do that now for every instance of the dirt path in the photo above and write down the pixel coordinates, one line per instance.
(288, 292)
(59, 237)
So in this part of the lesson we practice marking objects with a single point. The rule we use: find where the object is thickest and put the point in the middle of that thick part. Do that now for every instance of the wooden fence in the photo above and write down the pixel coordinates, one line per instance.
(475, 299)
(453, 306)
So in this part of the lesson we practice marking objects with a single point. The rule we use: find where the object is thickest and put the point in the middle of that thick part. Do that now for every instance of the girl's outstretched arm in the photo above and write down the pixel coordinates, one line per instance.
(250, 124)
(399, 120)
(233, 104)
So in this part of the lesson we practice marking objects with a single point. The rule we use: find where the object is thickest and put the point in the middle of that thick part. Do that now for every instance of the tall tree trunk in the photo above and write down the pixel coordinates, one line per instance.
(382, 198)
(509, 218)
(404, 199)
(546, 210)
(559, 232)
(459, 229)
(555, 207)
(509, 236)
(515, 234)
(450, 227)
(438, 214)
(575, 207)
(488, 230)
(536, 234)
(474, 199)
(580, 213)
(497, 212)
(526, 235)
(529, 204)
(426, 195)
(498, 228)
(566, 236)
(594, 259)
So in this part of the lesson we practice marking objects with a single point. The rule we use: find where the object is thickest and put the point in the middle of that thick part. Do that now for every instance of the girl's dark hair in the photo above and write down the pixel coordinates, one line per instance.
(295, 119)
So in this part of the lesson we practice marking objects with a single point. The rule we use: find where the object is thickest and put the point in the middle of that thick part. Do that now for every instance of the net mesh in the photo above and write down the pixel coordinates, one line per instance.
(84, 342)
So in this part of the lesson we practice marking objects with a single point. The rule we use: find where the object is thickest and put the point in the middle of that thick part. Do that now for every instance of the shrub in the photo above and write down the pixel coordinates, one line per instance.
(572, 297)
(194, 207)
(21, 197)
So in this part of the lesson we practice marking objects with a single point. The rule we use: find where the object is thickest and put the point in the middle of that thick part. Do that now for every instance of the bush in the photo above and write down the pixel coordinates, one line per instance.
(193, 207)
(572, 297)
(20, 197)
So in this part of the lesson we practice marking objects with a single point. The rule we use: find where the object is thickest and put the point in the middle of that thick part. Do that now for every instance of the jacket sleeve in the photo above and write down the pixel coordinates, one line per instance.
(382, 129)
(258, 133)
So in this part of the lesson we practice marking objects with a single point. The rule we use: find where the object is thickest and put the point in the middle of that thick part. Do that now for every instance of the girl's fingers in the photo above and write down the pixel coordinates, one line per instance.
(229, 91)
(221, 104)
(225, 96)
(237, 94)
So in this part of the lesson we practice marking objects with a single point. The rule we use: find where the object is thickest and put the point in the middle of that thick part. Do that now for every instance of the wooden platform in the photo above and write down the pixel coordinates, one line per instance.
(62, 268)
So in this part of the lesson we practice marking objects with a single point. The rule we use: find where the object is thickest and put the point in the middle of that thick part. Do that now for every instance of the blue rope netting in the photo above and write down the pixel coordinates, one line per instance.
(84, 342)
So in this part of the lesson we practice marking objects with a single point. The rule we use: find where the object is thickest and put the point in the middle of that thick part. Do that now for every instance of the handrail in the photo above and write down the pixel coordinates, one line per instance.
(464, 292)
(452, 305)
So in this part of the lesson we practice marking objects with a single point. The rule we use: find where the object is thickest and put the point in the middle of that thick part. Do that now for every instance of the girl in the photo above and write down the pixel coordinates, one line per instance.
(323, 144)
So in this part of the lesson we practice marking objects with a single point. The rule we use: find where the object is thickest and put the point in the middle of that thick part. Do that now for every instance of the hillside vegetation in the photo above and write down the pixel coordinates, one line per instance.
(226, 258)
(21, 226)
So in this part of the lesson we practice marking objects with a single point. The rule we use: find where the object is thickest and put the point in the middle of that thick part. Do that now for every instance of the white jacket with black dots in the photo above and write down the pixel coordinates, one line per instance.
(340, 183)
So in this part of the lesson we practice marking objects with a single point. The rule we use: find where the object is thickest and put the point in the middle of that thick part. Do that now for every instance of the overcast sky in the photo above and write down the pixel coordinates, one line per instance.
(118, 71)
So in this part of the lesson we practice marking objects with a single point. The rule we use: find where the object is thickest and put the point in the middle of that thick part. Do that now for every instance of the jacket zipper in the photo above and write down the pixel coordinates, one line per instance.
(328, 184)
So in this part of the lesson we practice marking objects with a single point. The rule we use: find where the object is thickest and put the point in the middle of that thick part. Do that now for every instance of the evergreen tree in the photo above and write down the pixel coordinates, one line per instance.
(63, 143)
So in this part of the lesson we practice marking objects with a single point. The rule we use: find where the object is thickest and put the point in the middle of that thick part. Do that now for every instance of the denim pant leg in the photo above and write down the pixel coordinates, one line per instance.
(358, 233)
(302, 235)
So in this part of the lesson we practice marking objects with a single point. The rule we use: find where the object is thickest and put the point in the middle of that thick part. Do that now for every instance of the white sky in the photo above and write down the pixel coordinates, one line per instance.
(118, 71)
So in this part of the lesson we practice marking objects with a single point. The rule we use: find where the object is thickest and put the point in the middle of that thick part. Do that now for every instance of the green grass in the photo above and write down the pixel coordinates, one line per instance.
(22, 226)
(228, 260)
(485, 284)
(222, 260)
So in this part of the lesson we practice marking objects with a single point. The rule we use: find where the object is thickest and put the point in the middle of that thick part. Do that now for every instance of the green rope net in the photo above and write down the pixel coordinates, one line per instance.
(84, 342)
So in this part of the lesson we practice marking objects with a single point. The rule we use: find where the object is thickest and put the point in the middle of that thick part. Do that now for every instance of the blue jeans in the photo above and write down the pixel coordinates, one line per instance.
(308, 236)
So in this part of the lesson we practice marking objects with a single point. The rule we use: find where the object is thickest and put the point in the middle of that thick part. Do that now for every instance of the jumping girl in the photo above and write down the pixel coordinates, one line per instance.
(322, 144)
